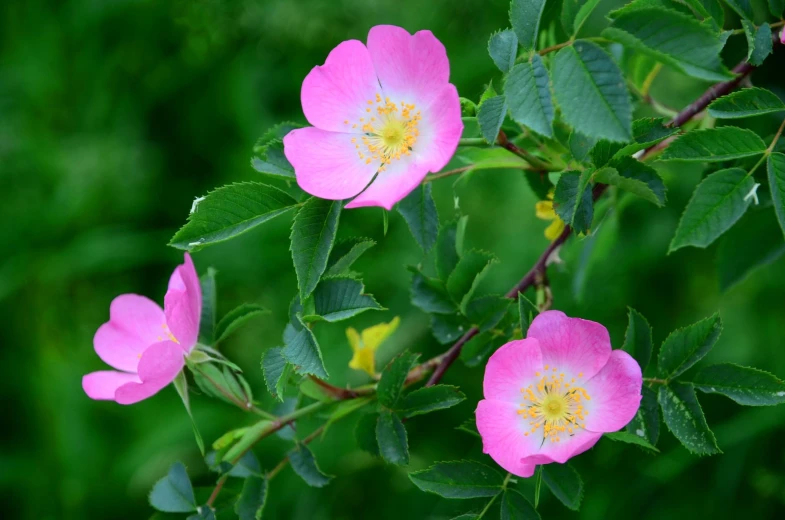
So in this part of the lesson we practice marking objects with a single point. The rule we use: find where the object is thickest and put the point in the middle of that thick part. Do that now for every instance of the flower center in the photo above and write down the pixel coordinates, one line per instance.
(555, 405)
(390, 131)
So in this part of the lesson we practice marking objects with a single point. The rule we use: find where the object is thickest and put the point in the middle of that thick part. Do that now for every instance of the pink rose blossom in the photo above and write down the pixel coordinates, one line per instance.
(552, 395)
(782, 35)
(385, 110)
(147, 345)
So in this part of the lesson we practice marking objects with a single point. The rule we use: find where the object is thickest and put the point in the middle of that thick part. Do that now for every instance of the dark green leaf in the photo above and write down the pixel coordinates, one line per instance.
(393, 377)
(477, 350)
(247, 466)
(486, 312)
(572, 200)
(252, 499)
(685, 419)
(565, 483)
(340, 298)
(759, 44)
(503, 48)
(755, 241)
(174, 493)
(446, 251)
(469, 426)
(207, 319)
(525, 19)
(344, 254)
(313, 234)
(715, 144)
(529, 96)
(447, 328)
(276, 372)
(235, 318)
(686, 346)
(304, 464)
(775, 165)
(747, 386)
(516, 507)
(365, 433)
(646, 132)
(635, 177)
(419, 211)
(430, 295)
(630, 438)
(646, 423)
(467, 275)
(302, 350)
(459, 479)
(203, 513)
(391, 436)
(430, 398)
(580, 146)
(230, 211)
(637, 340)
(491, 116)
(742, 7)
(181, 385)
(527, 311)
(747, 102)
(718, 202)
(776, 7)
(268, 157)
(583, 13)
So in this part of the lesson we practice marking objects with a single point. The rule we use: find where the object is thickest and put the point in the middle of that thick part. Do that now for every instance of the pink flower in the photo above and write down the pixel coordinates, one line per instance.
(145, 344)
(552, 395)
(782, 35)
(385, 109)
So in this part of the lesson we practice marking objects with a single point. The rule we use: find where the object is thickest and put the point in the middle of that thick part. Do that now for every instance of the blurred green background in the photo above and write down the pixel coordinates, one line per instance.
(115, 115)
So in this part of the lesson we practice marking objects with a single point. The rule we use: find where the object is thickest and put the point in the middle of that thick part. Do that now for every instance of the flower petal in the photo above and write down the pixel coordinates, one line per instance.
(339, 90)
(574, 346)
(615, 394)
(440, 130)
(564, 449)
(503, 436)
(158, 367)
(102, 385)
(510, 368)
(392, 184)
(183, 304)
(411, 68)
(327, 164)
(135, 323)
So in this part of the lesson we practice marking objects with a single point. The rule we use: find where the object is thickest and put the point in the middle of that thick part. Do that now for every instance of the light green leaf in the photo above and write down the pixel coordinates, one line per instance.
(203, 513)
(235, 318)
(419, 211)
(340, 298)
(446, 251)
(181, 385)
(313, 234)
(491, 116)
(459, 479)
(392, 440)
(746, 386)
(503, 48)
(748, 102)
(775, 166)
(583, 13)
(516, 507)
(430, 295)
(646, 423)
(207, 319)
(685, 419)
(529, 96)
(365, 433)
(565, 483)
(302, 350)
(715, 144)
(250, 505)
(527, 311)
(276, 372)
(525, 19)
(686, 346)
(230, 211)
(250, 436)
(430, 399)
(573, 199)
(631, 175)
(174, 493)
(719, 201)
(580, 146)
(591, 92)
(393, 378)
(637, 340)
(467, 275)
(304, 464)
(759, 44)
(344, 254)
(630, 438)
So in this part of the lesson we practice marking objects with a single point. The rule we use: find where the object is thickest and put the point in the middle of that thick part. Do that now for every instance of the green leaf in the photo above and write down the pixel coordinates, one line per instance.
(755, 241)
(268, 157)
(776, 7)
(775, 166)
(748, 102)
(467, 275)
(580, 146)
(746, 386)
(646, 132)
(686, 346)
(565, 483)
(459, 479)
(313, 234)
(181, 385)
(759, 44)
(673, 38)
(207, 318)
(525, 19)
(393, 377)
(304, 464)
(486, 312)
(646, 423)
(447, 328)
(392, 440)
(715, 144)
(477, 350)
(591, 92)
(516, 507)
(174, 493)
(630, 438)
(337, 299)
(529, 96)
(229, 211)
(276, 372)
(719, 201)
(637, 340)
(430, 399)
(503, 48)
(235, 318)
(252, 499)
(469, 426)
(247, 466)
(631, 175)
(446, 251)
(203, 513)
(302, 350)
(685, 419)
(527, 311)
(491, 116)
(345, 408)
(344, 254)
(365, 434)
(742, 7)
(583, 13)
(430, 295)
(572, 199)
(250, 436)
(419, 211)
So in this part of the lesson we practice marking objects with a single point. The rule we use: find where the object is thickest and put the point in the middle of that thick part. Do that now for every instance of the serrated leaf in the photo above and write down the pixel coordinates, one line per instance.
(393, 377)
(572, 199)
(646, 132)
(302, 350)
(631, 175)
(467, 275)
(591, 92)
(250, 505)
(430, 399)
(181, 385)
(235, 319)
(527, 311)
(230, 211)
(748, 102)
(685, 419)
(742, 7)
(630, 438)
(719, 201)
(528, 96)
(313, 234)
(637, 340)
(268, 156)
(686, 346)
(469, 426)
(446, 250)
(671, 37)
(583, 13)
(337, 299)
(392, 440)
(365, 433)
(430, 295)
(580, 146)
(754, 242)
(174, 493)
(490, 116)
(525, 19)
(747, 386)
(646, 423)
(247, 466)
(459, 479)
(477, 349)
(516, 507)
(565, 483)
(276, 372)
(775, 167)
(447, 328)
(503, 49)
(759, 44)
(207, 318)
(419, 211)
(345, 253)
(486, 312)
(715, 144)
(304, 464)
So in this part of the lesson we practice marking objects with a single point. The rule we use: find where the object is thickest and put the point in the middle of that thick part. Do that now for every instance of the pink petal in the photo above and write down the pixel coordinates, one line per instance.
(339, 90)
(615, 394)
(440, 130)
(397, 180)
(102, 385)
(411, 68)
(183, 304)
(327, 164)
(135, 323)
(564, 449)
(577, 347)
(503, 436)
(158, 367)
(511, 368)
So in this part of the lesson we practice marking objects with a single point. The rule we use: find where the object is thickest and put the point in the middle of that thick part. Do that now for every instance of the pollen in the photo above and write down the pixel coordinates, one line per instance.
(390, 134)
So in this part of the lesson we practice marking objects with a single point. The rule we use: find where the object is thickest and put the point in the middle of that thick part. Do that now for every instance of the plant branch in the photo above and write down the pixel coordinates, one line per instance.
(537, 163)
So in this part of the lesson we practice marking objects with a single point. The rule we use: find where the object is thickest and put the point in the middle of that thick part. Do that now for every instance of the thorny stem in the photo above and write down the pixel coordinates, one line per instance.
(537, 163)
(655, 380)
(245, 406)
